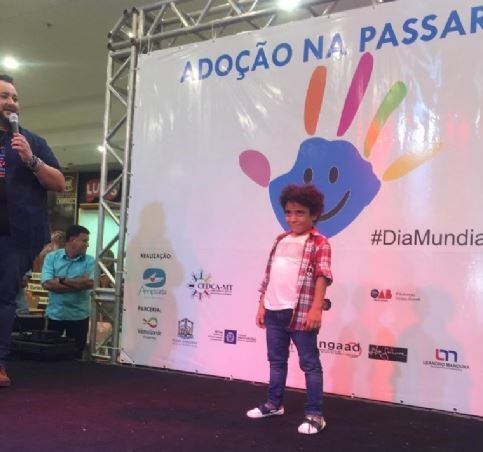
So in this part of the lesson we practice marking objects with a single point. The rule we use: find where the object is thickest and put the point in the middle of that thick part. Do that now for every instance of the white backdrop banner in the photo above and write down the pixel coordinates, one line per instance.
(381, 109)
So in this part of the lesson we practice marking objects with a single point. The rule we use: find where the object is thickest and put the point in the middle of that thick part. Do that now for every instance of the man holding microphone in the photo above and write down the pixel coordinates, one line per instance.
(28, 169)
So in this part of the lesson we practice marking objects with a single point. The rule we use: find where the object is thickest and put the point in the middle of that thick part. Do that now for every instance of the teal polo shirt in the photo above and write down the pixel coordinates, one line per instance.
(72, 305)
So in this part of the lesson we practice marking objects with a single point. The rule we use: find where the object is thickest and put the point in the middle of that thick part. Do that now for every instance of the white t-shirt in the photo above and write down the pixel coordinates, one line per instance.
(281, 292)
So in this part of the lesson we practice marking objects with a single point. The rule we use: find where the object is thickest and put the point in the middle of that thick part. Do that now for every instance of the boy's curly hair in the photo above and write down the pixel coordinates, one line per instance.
(306, 195)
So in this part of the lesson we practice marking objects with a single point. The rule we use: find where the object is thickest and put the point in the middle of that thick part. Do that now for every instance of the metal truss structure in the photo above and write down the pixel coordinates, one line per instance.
(142, 30)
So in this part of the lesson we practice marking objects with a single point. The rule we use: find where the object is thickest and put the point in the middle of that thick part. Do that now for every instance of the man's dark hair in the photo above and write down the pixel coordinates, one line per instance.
(75, 231)
(6, 78)
(306, 195)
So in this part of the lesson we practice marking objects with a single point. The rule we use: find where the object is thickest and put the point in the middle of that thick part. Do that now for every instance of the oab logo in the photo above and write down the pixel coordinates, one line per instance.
(381, 295)
(336, 167)
(153, 281)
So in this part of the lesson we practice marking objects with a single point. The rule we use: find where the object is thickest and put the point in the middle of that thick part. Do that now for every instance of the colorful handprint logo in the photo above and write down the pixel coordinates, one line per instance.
(336, 167)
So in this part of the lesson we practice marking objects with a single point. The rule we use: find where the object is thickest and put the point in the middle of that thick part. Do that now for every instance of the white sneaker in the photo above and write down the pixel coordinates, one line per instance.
(312, 424)
(264, 410)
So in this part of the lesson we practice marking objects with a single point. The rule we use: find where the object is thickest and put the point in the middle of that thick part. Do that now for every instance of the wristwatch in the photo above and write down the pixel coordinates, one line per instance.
(61, 279)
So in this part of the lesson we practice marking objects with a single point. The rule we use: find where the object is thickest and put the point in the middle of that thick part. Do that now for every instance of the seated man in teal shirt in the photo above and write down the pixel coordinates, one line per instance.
(68, 276)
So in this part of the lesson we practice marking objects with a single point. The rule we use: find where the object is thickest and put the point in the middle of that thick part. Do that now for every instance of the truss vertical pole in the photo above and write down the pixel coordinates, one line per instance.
(126, 175)
(115, 297)
(101, 212)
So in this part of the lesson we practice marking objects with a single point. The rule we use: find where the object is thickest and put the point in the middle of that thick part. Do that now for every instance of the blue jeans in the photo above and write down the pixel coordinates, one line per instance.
(14, 263)
(278, 344)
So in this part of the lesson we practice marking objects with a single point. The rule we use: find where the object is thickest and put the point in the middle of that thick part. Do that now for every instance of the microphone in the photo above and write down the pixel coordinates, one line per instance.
(13, 118)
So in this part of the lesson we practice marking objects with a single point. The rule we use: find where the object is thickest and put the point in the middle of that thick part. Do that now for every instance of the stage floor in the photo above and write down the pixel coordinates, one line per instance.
(86, 406)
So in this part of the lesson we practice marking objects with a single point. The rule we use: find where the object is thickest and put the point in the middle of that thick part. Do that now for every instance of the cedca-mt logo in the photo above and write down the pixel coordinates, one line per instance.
(153, 281)
(202, 286)
(199, 285)
(336, 167)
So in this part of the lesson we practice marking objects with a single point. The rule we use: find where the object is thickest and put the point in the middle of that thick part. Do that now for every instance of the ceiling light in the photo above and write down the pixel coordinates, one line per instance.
(127, 31)
(10, 63)
(288, 5)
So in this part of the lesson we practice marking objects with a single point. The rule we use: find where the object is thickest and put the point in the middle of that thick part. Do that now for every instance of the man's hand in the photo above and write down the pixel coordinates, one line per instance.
(22, 146)
(260, 318)
(80, 283)
(84, 278)
(314, 319)
(54, 285)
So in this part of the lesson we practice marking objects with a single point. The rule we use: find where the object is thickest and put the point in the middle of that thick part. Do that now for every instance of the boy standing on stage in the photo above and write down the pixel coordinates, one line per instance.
(291, 303)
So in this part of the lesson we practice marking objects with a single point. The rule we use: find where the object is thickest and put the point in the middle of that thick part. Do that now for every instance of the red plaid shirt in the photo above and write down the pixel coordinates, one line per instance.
(315, 262)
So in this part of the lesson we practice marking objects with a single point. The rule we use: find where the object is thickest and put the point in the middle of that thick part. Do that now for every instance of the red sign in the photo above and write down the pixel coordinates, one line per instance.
(93, 188)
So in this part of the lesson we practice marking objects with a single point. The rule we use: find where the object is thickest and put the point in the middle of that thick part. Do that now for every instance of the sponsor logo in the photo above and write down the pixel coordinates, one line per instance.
(230, 337)
(216, 335)
(351, 349)
(185, 329)
(387, 353)
(202, 286)
(407, 296)
(185, 333)
(385, 295)
(446, 359)
(154, 280)
(245, 338)
(381, 295)
(154, 255)
(152, 322)
(154, 277)
(149, 329)
(149, 309)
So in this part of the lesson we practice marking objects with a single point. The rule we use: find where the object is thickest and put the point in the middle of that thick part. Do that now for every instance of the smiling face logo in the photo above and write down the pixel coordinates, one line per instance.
(336, 167)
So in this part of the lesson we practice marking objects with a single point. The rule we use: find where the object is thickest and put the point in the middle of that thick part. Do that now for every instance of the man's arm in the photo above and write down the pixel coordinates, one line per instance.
(49, 177)
(260, 317)
(48, 279)
(65, 285)
(84, 282)
(76, 284)
(54, 285)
